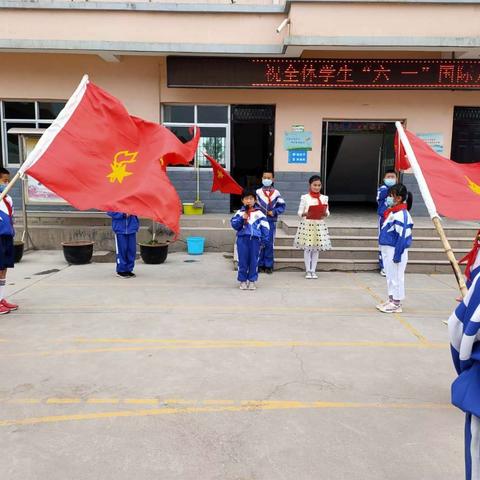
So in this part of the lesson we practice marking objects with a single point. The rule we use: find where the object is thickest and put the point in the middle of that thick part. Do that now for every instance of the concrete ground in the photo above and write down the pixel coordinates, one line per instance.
(179, 375)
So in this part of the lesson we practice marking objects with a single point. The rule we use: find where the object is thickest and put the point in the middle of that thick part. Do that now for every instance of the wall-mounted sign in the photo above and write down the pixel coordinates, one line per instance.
(297, 156)
(433, 140)
(298, 128)
(230, 72)
(297, 140)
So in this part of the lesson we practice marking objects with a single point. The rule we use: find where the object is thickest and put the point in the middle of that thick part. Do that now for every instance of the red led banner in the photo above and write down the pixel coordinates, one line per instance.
(217, 72)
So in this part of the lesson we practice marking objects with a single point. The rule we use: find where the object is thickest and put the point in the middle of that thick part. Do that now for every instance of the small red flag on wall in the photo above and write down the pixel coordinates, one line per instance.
(222, 181)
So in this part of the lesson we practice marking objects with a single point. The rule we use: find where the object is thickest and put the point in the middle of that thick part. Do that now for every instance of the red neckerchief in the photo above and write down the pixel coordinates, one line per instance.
(315, 195)
(396, 208)
(249, 211)
(269, 191)
(9, 207)
(471, 256)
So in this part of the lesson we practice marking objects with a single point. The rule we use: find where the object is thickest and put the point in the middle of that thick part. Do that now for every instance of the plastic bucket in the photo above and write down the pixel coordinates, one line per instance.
(195, 245)
(189, 209)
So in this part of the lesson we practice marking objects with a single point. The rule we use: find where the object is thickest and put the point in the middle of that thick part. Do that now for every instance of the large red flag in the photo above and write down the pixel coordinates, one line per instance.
(222, 180)
(95, 155)
(455, 187)
(401, 159)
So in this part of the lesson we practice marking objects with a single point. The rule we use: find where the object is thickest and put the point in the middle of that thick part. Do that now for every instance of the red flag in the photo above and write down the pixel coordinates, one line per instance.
(186, 158)
(95, 155)
(401, 159)
(222, 180)
(455, 187)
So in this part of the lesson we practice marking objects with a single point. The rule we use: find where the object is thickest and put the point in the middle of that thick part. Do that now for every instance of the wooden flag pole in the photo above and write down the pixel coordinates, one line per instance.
(432, 211)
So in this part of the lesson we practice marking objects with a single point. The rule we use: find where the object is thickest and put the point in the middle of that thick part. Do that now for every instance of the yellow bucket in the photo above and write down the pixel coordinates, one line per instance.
(190, 209)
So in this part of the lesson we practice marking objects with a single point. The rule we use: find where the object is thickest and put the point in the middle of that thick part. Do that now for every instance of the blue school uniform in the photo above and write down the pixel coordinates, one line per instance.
(396, 232)
(7, 232)
(269, 200)
(251, 235)
(382, 194)
(125, 228)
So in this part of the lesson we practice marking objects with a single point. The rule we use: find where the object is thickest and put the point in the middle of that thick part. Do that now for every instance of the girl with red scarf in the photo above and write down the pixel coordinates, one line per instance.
(312, 234)
(395, 240)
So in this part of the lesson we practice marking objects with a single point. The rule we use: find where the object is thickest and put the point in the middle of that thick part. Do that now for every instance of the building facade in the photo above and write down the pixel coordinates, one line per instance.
(301, 88)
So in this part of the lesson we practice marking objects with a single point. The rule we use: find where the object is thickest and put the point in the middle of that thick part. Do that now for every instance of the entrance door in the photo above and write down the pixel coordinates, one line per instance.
(466, 135)
(354, 158)
(252, 145)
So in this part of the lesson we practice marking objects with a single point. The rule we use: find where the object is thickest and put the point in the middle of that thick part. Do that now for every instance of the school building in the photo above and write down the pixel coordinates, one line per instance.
(299, 87)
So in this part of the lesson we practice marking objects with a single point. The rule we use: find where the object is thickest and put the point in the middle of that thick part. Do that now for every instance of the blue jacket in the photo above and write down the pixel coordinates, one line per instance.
(123, 223)
(6, 220)
(396, 232)
(256, 226)
(382, 194)
(276, 204)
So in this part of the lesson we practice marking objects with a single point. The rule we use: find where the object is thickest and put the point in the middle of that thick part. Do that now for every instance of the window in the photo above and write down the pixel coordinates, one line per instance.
(23, 114)
(213, 121)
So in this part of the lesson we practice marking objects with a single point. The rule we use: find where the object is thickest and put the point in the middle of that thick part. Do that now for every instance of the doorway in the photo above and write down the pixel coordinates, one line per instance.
(252, 128)
(466, 135)
(355, 156)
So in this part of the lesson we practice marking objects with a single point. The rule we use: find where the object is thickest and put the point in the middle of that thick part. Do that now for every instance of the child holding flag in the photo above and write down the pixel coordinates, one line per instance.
(125, 228)
(7, 233)
(252, 231)
(272, 205)
(395, 240)
(389, 180)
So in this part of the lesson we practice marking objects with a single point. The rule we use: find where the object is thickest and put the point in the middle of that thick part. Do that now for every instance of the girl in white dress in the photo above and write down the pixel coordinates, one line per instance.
(312, 235)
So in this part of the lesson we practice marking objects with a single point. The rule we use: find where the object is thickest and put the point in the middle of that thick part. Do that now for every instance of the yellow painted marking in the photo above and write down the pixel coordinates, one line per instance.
(397, 316)
(244, 407)
(228, 345)
(218, 402)
(102, 400)
(62, 401)
(25, 401)
(141, 401)
(179, 401)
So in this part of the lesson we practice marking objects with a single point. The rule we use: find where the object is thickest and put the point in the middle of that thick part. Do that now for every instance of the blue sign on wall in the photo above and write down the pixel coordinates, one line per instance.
(297, 156)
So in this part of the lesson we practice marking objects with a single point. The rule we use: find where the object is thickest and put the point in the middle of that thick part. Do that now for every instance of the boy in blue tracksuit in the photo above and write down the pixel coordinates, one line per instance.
(272, 205)
(252, 232)
(125, 228)
(389, 180)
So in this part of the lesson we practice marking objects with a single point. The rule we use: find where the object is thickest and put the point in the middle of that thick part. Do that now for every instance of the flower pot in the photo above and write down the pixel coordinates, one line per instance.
(153, 254)
(18, 246)
(78, 253)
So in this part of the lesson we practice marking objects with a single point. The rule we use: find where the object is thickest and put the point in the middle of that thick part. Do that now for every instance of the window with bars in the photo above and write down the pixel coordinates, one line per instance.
(23, 114)
(214, 124)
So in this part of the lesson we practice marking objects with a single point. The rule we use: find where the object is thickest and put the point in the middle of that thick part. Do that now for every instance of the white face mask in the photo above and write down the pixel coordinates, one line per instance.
(389, 182)
(389, 201)
(266, 182)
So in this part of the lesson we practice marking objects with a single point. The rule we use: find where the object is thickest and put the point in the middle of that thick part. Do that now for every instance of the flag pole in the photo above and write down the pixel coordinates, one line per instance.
(432, 211)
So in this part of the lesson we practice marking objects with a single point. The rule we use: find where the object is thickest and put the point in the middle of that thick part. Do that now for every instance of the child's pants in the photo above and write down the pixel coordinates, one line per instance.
(395, 272)
(380, 259)
(310, 256)
(126, 248)
(248, 250)
(266, 253)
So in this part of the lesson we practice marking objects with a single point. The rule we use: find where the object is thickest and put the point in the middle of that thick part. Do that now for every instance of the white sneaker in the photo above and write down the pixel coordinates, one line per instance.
(313, 275)
(308, 275)
(391, 307)
(383, 304)
(382, 273)
(252, 286)
(243, 286)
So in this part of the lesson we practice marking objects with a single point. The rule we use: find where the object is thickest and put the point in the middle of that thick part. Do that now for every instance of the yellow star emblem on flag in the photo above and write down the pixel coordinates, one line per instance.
(119, 167)
(220, 174)
(475, 188)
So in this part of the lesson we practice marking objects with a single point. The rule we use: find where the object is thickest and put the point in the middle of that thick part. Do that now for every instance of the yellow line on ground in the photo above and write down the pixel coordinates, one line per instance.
(96, 401)
(25, 401)
(62, 401)
(227, 345)
(244, 407)
(141, 401)
(409, 327)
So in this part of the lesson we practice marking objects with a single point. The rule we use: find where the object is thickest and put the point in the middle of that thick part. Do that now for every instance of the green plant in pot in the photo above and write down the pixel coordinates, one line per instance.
(155, 251)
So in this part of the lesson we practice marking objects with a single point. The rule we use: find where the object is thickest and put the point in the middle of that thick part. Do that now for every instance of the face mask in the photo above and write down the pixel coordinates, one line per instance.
(389, 182)
(389, 202)
(266, 182)
(3, 186)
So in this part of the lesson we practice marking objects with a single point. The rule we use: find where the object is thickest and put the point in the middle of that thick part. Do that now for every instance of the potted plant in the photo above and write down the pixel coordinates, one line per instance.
(155, 251)
(79, 252)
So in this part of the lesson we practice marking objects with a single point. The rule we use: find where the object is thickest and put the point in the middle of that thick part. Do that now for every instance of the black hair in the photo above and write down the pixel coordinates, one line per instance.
(400, 190)
(248, 193)
(268, 171)
(390, 170)
(314, 178)
(4, 171)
